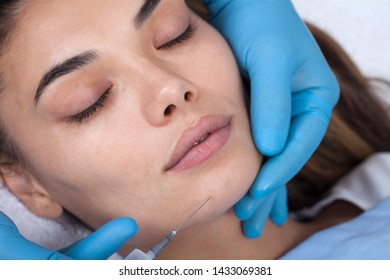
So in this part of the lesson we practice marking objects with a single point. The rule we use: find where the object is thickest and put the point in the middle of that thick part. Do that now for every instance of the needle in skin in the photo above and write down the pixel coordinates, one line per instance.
(155, 251)
(192, 215)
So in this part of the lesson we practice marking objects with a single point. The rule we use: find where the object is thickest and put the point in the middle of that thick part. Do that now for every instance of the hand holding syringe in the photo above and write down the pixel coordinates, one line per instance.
(153, 253)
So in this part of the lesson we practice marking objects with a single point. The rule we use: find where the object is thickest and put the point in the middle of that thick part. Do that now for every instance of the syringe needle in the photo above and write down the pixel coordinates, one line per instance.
(193, 214)
(155, 251)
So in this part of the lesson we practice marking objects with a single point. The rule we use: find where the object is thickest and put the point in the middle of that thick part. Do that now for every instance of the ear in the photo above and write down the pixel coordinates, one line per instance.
(30, 192)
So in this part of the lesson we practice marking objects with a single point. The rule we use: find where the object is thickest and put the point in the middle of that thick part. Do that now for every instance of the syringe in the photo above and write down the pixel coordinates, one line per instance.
(153, 253)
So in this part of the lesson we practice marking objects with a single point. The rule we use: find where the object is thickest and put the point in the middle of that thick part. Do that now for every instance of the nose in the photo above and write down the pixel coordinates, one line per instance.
(169, 95)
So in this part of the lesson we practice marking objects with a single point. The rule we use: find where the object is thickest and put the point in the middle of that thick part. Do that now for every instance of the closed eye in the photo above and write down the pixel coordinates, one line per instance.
(186, 35)
(91, 110)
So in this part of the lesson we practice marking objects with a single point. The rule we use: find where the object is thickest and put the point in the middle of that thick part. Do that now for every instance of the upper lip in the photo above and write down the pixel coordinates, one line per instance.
(205, 125)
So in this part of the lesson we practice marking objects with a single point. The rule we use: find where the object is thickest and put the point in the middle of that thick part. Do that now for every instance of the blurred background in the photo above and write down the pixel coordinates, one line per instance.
(362, 27)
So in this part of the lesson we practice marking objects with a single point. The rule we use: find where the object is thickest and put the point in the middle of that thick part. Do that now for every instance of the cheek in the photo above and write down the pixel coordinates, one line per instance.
(214, 68)
(95, 175)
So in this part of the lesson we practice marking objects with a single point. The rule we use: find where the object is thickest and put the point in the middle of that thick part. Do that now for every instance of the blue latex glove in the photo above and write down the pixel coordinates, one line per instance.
(99, 245)
(255, 212)
(293, 92)
(366, 237)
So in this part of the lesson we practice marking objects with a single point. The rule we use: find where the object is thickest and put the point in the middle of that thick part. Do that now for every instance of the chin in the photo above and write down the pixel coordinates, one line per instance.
(229, 182)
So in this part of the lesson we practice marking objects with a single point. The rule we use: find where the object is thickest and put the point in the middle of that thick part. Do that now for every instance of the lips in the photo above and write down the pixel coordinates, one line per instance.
(200, 142)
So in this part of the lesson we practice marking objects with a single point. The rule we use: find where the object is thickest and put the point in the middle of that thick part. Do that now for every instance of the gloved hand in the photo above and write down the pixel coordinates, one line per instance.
(293, 92)
(99, 245)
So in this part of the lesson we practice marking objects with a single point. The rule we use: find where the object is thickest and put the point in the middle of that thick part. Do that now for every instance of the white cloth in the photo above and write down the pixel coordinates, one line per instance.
(52, 234)
(365, 186)
(366, 237)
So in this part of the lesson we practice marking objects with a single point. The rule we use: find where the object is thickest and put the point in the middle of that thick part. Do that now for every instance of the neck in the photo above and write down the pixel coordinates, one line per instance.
(223, 239)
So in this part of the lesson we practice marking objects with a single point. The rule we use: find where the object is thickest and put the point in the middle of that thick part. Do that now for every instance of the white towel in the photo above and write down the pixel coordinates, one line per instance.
(52, 234)
(365, 186)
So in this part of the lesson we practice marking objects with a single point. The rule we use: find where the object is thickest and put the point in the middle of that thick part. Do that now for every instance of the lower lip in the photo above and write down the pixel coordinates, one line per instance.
(203, 151)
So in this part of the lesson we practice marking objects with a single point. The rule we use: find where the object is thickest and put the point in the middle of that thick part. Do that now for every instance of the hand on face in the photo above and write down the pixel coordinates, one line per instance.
(292, 89)
(98, 246)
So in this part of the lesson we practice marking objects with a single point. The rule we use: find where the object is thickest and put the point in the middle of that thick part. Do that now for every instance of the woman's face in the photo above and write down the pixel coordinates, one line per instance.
(108, 100)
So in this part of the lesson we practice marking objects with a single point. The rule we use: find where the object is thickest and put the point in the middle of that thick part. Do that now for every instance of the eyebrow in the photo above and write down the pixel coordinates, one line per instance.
(145, 12)
(80, 60)
(64, 68)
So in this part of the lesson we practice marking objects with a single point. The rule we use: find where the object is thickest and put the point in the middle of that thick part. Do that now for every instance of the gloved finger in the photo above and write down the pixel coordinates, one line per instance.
(270, 103)
(7, 225)
(317, 80)
(254, 226)
(245, 208)
(279, 209)
(104, 242)
(13, 246)
(247, 205)
(308, 127)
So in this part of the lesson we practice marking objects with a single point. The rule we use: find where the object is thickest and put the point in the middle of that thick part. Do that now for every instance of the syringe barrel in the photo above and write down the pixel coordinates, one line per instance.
(159, 247)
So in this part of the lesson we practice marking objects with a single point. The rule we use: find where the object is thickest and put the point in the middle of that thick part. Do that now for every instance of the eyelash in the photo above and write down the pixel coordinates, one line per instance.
(91, 110)
(80, 117)
(186, 35)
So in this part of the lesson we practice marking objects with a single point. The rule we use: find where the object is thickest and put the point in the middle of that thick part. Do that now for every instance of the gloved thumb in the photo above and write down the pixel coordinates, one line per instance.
(104, 242)
(13, 246)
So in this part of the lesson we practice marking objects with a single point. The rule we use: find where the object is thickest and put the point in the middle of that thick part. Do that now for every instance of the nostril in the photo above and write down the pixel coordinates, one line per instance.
(169, 110)
(188, 96)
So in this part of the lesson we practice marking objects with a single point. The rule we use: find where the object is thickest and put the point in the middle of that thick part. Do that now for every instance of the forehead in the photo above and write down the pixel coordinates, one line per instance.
(55, 20)
(47, 31)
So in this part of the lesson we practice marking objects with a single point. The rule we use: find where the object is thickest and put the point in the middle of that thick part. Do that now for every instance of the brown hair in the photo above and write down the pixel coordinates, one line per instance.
(9, 11)
(359, 127)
